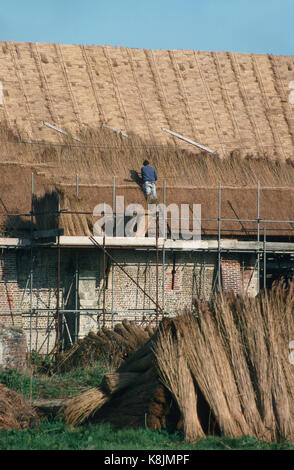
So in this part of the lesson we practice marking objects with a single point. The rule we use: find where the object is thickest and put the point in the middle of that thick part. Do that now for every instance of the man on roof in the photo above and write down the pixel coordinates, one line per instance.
(149, 177)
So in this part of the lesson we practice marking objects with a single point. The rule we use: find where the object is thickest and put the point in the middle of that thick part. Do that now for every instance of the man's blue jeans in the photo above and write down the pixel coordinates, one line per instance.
(150, 188)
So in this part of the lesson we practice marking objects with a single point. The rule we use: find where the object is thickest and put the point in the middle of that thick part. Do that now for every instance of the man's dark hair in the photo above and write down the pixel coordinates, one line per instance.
(145, 163)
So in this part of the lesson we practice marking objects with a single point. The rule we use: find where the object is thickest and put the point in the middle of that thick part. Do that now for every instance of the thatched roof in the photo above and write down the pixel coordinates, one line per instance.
(223, 100)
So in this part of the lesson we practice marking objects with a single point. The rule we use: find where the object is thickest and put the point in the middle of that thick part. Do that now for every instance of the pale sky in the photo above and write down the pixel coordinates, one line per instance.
(254, 26)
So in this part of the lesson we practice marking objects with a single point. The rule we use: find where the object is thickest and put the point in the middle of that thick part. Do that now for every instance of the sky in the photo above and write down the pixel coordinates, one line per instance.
(252, 26)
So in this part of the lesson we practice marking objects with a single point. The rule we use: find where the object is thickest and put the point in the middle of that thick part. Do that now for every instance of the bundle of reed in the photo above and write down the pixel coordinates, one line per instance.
(128, 337)
(133, 390)
(250, 321)
(266, 349)
(234, 345)
(212, 372)
(135, 373)
(111, 346)
(141, 364)
(141, 404)
(176, 376)
(112, 382)
(115, 337)
(283, 332)
(141, 401)
(15, 411)
(138, 333)
(139, 360)
(80, 408)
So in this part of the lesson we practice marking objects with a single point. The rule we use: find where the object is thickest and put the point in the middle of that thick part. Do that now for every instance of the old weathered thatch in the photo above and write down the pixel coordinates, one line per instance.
(15, 411)
(182, 180)
(221, 368)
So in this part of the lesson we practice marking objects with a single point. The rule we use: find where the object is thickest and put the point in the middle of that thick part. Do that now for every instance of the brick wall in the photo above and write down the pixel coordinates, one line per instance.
(194, 274)
(231, 276)
(9, 289)
(239, 276)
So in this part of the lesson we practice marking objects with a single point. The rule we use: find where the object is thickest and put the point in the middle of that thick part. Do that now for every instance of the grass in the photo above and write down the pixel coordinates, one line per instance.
(56, 436)
(56, 386)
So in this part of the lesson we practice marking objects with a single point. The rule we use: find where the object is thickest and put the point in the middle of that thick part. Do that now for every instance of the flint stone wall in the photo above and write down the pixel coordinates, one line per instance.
(13, 347)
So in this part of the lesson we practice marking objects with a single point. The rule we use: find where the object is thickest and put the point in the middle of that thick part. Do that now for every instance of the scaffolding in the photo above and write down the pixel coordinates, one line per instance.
(58, 321)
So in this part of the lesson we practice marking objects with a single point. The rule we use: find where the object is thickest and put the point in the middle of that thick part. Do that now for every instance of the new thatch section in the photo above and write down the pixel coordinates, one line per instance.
(222, 368)
(222, 100)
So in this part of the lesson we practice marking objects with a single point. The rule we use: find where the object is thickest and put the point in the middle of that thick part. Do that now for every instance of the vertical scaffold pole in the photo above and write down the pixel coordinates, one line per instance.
(113, 196)
(77, 186)
(219, 238)
(104, 280)
(163, 247)
(243, 275)
(112, 270)
(112, 296)
(31, 260)
(204, 280)
(58, 283)
(264, 256)
(157, 260)
(258, 236)
(149, 278)
(76, 297)
(104, 270)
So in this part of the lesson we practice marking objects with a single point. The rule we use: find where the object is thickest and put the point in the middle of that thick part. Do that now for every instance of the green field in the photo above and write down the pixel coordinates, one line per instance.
(56, 436)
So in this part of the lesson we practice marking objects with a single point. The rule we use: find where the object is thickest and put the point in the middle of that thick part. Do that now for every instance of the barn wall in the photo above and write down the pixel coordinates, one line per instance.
(183, 277)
